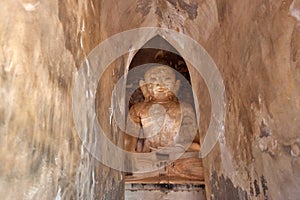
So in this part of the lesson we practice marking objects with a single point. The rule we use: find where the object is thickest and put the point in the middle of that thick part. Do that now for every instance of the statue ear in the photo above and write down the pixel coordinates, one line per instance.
(144, 89)
(177, 86)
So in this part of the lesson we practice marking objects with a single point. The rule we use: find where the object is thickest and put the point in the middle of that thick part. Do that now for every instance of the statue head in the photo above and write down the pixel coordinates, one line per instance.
(160, 84)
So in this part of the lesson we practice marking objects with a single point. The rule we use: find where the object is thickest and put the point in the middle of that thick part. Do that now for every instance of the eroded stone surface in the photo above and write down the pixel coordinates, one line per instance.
(254, 43)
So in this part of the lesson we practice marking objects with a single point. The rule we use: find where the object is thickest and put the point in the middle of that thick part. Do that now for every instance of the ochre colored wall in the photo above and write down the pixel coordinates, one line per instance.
(254, 43)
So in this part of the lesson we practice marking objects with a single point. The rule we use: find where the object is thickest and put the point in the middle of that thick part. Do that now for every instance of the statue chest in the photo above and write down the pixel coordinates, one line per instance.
(161, 125)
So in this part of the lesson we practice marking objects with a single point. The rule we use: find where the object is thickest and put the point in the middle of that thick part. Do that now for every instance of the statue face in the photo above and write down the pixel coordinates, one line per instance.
(161, 82)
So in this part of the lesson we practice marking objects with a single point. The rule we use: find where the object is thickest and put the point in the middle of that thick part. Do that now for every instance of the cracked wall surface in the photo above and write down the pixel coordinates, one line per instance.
(255, 44)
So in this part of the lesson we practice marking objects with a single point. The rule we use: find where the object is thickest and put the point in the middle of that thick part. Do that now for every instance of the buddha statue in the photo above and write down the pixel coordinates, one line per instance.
(162, 120)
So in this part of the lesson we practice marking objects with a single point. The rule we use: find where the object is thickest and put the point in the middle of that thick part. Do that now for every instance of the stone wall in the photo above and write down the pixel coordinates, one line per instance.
(43, 43)
(254, 43)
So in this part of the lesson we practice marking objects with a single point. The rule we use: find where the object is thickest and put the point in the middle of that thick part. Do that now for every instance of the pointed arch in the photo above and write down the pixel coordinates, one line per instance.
(157, 50)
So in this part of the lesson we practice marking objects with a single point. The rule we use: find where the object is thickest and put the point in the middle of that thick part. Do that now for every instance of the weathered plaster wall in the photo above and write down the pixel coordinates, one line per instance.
(254, 43)
(255, 48)
(42, 44)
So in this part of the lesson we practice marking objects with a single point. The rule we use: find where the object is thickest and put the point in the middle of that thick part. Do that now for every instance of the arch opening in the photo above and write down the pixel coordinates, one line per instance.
(164, 54)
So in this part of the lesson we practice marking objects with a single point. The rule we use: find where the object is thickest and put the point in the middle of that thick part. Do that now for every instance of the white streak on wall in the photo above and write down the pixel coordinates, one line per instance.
(81, 43)
(88, 67)
(93, 8)
(295, 9)
(93, 184)
(30, 6)
(82, 26)
(58, 195)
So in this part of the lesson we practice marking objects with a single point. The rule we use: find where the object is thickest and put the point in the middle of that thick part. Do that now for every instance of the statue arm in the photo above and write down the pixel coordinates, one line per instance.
(188, 131)
(132, 129)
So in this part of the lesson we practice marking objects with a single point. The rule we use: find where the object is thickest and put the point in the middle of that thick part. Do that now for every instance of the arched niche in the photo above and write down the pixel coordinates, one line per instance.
(157, 50)
(127, 61)
(149, 52)
(120, 67)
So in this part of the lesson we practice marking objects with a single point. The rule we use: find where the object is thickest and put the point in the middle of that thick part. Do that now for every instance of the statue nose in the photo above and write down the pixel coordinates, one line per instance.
(160, 86)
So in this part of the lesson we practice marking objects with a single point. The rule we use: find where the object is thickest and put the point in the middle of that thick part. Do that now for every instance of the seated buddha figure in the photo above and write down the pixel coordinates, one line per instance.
(163, 120)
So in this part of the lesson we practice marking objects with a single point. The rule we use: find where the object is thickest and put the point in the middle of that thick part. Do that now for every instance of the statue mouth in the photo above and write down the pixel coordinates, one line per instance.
(161, 89)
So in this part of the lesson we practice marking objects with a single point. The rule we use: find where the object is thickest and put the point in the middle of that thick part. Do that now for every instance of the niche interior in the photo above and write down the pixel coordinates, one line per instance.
(186, 181)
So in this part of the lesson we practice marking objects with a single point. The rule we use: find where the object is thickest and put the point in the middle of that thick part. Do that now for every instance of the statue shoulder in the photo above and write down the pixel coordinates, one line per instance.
(139, 106)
